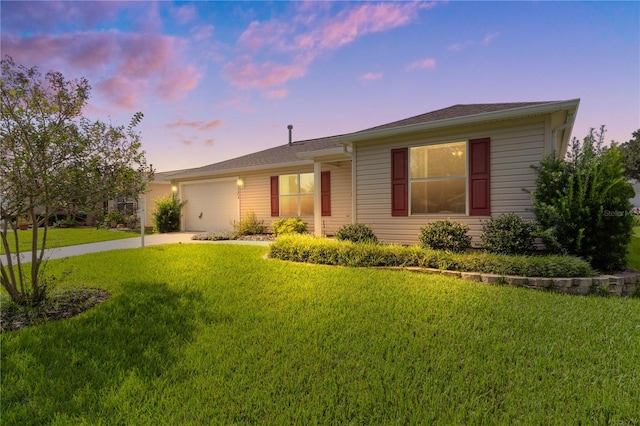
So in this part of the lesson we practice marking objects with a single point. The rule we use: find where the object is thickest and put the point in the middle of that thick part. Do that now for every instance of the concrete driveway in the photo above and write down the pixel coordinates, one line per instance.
(136, 242)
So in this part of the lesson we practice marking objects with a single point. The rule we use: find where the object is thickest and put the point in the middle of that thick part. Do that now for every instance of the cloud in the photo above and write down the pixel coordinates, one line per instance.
(202, 32)
(277, 93)
(427, 63)
(457, 47)
(489, 38)
(36, 17)
(119, 91)
(364, 19)
(185, 14)
(370, 76)
(196, 124)
(259, 34)
(250, 75)
(122, 67)
(292, 44)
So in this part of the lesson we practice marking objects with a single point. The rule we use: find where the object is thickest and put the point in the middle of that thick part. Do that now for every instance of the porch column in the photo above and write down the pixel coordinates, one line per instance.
(317, 200)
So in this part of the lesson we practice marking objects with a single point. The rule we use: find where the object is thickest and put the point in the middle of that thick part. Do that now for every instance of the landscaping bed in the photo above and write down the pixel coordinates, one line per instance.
(565, 274)
(302, 248)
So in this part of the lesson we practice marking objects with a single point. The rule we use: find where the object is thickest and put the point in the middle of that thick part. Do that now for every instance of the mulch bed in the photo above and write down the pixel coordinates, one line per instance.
(59, 306)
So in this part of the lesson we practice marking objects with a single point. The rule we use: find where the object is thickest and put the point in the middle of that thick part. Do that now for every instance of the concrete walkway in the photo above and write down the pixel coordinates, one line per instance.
(126, 243)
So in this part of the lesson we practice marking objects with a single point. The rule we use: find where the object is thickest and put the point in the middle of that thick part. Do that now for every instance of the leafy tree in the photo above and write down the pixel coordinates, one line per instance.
(631, 156)
(52, 158)
(582, 203)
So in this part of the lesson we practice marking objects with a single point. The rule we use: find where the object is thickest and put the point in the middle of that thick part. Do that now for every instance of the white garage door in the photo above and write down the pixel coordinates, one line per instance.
(210, 206)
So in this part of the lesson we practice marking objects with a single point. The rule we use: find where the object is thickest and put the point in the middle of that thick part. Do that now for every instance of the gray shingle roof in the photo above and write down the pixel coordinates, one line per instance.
(455, 111)
(272, 156)
(287, 154)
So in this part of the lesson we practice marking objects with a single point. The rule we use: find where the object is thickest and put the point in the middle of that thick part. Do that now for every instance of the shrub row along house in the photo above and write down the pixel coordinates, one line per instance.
(465, 162)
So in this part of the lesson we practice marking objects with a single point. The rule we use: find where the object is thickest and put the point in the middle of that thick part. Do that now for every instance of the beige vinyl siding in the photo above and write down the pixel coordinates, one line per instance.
(515, 146)
(154, 192)
(256, 195)
(340, 198)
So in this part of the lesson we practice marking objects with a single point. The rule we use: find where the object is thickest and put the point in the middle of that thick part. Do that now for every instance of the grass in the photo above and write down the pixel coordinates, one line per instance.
(633, 256)
(62, 237)
(215, 334)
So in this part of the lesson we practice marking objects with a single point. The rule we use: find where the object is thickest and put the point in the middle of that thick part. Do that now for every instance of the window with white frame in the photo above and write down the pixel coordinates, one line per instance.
(296, 193)
(438, 178)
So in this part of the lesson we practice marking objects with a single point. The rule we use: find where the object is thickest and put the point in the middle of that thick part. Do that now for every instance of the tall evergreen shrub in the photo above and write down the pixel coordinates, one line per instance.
(582, 203)
(167, 213)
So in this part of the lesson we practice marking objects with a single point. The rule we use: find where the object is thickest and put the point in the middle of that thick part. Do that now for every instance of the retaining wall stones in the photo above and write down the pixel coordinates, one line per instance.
(624, 284)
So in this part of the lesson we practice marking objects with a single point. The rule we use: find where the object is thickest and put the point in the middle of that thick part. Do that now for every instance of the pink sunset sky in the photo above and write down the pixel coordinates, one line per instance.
(216, 80)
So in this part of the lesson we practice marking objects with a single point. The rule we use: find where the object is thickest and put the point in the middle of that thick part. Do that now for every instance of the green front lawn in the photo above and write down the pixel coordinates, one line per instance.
(62, 237)
(215, 334)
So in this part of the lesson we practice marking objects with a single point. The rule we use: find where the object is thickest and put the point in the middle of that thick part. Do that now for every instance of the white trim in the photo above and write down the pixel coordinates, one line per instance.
(238, 170)
(354, 209)
(317, 199)
(338, 153)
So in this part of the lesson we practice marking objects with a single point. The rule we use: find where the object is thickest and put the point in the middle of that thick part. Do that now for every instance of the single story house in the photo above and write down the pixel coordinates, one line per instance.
(467, 163)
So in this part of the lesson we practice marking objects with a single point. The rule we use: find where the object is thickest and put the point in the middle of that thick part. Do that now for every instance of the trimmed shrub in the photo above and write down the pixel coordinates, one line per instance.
(249, 225)
(356, 233)
(445, 235)
(167, 213)
(289, 225)
(304, 248)
(508, 234)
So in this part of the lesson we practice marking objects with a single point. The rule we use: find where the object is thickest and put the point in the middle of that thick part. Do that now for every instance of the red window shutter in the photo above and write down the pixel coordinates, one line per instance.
(275, 197)
(325, 193)
(479, 177)
(400, 182)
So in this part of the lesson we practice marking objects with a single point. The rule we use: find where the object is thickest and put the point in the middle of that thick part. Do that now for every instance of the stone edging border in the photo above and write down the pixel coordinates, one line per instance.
(624, 284)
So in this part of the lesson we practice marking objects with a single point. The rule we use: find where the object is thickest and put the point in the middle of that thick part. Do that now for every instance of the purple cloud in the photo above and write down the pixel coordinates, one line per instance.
(137, 64)
(301, 39)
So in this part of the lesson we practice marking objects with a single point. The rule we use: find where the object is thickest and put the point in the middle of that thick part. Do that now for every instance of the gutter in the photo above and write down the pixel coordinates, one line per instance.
(237, 170)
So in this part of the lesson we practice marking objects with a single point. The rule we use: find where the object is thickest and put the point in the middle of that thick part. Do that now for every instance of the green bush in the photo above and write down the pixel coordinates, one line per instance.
(167, 213)
(582, 203)
(250, 225)
(289, 225)
(356, 233)
(445, 235)
(508, 234)
(302, 248)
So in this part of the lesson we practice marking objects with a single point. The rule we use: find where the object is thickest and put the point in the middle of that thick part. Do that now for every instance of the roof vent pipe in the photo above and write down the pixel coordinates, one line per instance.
(290, 127)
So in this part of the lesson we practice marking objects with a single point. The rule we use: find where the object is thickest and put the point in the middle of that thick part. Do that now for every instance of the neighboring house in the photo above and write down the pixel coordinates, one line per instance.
(635, 201)
(466, 163)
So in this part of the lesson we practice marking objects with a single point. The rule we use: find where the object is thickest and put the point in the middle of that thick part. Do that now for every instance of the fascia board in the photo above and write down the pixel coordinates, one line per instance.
(328, 154)
(460, 121)
(239, 170)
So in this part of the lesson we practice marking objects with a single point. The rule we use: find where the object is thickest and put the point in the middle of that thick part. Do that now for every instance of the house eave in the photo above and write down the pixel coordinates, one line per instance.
(239, 170)
(570, 105)
(329, 154)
